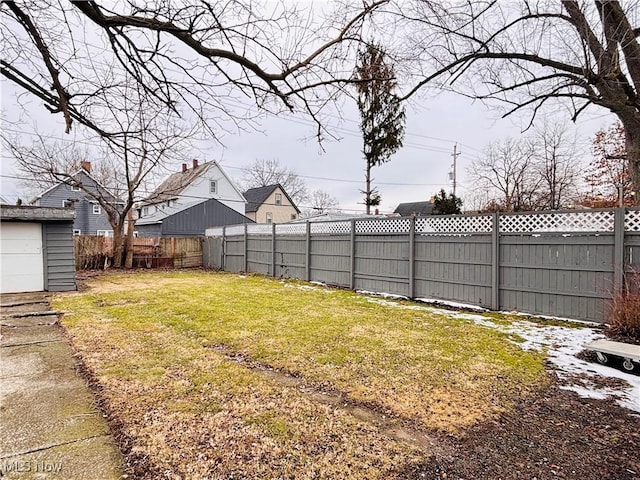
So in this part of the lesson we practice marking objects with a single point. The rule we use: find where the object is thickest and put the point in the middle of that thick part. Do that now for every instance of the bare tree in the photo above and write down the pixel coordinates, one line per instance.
(558, 164)
(203, 58)
(145, 141)
(321, 202)
(265, 172)
(508, 172)
(608, 173)
(529, 54)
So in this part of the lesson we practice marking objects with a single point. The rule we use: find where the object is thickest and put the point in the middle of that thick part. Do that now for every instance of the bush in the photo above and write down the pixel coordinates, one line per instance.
(624, 319)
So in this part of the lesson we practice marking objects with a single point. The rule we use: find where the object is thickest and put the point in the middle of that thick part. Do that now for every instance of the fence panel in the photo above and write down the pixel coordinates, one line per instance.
(212, 253)
(382, 263)
(331, 259)
(632, 261)
(555, 274)
(291, 256)
(454, 267)
(234, 254)
(259, 254)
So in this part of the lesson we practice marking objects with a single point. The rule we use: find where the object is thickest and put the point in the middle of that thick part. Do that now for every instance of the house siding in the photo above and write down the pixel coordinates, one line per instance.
(281, 213)
(153, 230)
(85, 220)
(227, 194)
(194, 221)
(59, 260)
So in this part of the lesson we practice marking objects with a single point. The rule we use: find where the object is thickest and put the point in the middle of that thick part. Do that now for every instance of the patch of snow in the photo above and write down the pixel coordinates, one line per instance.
(447, 303)
(383, 295)
(561, 344)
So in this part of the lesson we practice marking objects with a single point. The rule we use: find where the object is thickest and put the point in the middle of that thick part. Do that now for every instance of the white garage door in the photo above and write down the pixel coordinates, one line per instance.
(21, 262)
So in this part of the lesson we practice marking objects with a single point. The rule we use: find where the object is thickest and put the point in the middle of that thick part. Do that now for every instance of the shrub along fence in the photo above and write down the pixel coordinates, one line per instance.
(561, 263)
(94, 252)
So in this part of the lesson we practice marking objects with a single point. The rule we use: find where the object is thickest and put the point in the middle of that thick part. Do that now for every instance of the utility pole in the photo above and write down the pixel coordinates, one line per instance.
(452, 176)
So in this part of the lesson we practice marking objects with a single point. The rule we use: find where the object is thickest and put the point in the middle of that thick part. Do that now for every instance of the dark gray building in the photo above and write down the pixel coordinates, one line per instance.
(191, 220)
(90, 218)
(416, 209)
(36, 249)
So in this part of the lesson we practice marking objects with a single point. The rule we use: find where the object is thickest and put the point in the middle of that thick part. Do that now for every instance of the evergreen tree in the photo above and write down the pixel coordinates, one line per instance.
(446, 205)
(382, 117)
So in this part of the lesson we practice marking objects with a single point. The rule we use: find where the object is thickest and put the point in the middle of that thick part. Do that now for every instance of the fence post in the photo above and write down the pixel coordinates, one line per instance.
(273, 249)
(246, 249)
(307, 261)
(223, 254)
(412, 256)
(495, 262)
(618, 252)
(352, 256)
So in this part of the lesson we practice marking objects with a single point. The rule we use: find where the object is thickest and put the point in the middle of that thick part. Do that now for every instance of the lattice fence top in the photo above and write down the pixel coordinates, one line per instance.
(458, 224)
(291, 229)
(596, 221)
(384, 225)
(234, 230)
(336, 228)
(632, 221)
(545, 222)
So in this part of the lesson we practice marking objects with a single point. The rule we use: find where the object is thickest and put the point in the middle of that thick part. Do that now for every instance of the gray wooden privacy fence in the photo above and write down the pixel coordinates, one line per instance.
(562, 263)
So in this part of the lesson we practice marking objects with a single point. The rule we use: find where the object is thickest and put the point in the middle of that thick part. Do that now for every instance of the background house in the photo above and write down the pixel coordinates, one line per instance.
(189, 201)
(90, 219)
(417, 209)
(270, 204)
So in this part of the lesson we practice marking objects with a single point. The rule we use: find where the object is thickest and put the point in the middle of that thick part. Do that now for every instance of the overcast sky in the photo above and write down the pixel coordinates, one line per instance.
(415, 173)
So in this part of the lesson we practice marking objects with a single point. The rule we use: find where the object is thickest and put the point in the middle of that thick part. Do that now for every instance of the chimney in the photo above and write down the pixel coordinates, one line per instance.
(377, 212)
(184, 167)
(86, 165)
(195, 163)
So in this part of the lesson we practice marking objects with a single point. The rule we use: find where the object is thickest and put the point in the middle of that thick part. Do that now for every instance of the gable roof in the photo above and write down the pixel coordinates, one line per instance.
(421, 209)
(257, 196)
(175, 183)
(81, 171)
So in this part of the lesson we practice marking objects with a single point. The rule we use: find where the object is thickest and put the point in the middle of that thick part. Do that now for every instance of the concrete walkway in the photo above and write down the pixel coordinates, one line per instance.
(49, 424)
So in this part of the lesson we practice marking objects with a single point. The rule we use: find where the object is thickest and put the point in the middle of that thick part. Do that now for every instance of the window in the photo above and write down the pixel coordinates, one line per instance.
(104, 233)
(75, 188)
(269, 217)
(77, 232)
(145, 211)
(96, 209)
(67, 203)
(278, 199)
(213, 186)
(293, 216)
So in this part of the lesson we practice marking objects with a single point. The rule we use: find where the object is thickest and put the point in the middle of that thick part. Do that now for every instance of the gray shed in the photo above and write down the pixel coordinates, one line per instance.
(36, 249)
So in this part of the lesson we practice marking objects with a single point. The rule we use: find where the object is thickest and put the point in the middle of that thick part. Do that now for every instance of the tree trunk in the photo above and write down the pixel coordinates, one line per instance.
(128, 260)
(367, 199)
(118, 247)
(633, 157)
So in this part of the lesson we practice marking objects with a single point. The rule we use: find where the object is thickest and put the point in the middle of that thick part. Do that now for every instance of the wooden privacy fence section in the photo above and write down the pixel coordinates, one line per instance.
(94, 252)
(561, 263)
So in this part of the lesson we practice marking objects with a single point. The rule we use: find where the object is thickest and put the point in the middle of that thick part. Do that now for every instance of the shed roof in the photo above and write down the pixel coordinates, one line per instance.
(32, 213)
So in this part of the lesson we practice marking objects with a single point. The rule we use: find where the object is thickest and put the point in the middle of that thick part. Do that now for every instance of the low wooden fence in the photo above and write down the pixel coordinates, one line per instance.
(96, 252)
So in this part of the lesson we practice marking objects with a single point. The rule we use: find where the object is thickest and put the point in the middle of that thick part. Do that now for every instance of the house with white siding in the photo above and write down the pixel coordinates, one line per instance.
(190, 201)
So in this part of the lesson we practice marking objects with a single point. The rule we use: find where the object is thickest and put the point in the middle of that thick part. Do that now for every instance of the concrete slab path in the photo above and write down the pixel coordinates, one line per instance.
(50, 427)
